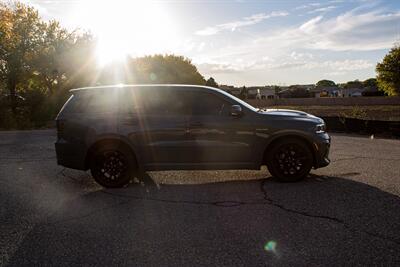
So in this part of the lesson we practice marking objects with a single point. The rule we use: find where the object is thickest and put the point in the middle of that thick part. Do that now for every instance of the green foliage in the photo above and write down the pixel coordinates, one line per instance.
(41, 61)
(20, 30)
(277, 89)
(371, 82)
(156, 69)
(388, 72)
(211, 82)
(355, 112)
(354, 84)
(326, 83)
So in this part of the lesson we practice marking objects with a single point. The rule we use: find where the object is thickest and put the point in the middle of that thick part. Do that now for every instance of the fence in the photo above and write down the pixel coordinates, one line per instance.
(352, 125)
(328, 101)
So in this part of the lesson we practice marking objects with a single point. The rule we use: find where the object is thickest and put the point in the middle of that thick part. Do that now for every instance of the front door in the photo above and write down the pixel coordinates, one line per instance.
(218, 138)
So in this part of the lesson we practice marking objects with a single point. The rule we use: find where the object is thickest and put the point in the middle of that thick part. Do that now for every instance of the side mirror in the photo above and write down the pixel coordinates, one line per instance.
(236, 110)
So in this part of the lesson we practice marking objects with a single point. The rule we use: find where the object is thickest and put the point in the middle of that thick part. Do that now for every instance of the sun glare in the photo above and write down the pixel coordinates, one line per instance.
(127, 28)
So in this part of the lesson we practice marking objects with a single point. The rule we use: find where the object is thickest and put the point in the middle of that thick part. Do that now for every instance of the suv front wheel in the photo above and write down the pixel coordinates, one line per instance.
(112, 165)
(289, 160)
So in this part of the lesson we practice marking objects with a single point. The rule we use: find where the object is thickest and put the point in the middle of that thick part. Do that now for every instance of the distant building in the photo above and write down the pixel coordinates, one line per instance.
(351, 92)
(284, 93)
(267, 92)
(325, 91)
(264, 92)
(253, 92)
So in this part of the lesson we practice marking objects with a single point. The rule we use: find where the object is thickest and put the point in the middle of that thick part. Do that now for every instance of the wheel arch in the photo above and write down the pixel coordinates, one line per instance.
(274, 140)
(107, 140)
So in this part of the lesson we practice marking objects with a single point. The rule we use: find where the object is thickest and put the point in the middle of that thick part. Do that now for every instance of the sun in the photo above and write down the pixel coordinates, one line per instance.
(124, 27)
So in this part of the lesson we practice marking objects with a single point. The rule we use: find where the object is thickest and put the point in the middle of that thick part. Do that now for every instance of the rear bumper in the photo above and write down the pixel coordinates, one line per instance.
(322, 147)
(70, 155)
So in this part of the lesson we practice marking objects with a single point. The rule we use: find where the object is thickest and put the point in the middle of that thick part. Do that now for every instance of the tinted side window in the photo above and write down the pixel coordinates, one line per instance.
(101, 101)
(207, 104)
(164, 101)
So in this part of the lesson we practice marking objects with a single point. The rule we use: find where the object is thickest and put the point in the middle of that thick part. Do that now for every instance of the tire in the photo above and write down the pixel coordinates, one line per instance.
(112, 165)
(289, 160)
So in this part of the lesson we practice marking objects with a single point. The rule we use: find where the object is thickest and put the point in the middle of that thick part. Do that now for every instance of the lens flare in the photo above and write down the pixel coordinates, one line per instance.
(270, 246)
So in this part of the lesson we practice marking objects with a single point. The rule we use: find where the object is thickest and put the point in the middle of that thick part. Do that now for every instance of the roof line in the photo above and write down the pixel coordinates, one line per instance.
(137, 85)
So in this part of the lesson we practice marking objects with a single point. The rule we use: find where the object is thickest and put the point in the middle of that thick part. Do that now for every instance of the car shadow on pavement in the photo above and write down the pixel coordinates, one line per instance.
(252, 222)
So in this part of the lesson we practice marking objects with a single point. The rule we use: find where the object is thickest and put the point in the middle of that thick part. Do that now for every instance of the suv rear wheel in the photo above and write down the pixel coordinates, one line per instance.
(289, 160)
(112, 165)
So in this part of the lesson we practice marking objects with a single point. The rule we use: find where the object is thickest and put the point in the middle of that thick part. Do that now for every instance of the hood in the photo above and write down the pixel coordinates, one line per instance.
(285, 112)
(290, 113)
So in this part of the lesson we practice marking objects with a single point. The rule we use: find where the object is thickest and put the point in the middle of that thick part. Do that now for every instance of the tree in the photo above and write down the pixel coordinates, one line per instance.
(277, 89)
(371, 83)
(170, 69)
(39, 62)
(211, 82)
(20, 37)
(388, 72)
(326, 83)
(353, 84)
(243, 92)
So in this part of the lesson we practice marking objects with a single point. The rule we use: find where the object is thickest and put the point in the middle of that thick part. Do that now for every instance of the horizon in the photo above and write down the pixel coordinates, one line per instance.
(242, 42)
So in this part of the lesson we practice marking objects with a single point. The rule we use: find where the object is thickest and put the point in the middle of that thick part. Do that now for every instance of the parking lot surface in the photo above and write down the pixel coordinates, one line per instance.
(345, 214)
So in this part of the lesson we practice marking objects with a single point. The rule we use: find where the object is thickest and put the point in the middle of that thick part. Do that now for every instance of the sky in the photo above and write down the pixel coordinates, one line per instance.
(242, 42)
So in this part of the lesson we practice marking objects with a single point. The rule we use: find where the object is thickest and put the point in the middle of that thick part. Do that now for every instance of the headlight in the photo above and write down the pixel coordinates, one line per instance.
(320, 128)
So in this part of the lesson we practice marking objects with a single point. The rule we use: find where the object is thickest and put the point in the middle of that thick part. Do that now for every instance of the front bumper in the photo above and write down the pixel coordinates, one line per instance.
(322, 146)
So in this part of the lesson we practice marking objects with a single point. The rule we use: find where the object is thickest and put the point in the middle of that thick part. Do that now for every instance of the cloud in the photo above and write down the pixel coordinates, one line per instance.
(212, 68)
(296, 55)
(334, 73)
(311, 24)
(335, 65)
(310, 5)
(37, 5)
(246, 21)
(349, 65)
(308, 48)
(351, 31)
(322, 9)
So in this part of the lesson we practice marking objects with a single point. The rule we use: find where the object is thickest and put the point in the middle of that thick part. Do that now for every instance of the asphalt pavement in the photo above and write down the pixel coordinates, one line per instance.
(346, 214)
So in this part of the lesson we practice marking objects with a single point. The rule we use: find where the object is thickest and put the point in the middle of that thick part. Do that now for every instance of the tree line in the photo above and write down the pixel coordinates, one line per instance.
(40, 61)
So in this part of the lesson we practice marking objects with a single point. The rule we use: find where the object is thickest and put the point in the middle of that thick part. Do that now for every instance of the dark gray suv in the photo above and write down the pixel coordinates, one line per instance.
(118, 131)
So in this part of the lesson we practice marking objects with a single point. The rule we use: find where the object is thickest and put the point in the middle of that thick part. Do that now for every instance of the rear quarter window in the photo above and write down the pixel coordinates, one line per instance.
(93, 103)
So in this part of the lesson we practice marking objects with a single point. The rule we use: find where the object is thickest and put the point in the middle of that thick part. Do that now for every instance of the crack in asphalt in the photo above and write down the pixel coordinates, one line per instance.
(333, 219)
(229, 204)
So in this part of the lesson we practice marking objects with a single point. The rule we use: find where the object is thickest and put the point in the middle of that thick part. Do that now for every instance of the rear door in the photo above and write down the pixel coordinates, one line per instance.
(157, 126)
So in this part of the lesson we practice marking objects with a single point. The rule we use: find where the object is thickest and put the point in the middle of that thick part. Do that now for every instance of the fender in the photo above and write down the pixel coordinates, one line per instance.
(288, 133)
(116, 137)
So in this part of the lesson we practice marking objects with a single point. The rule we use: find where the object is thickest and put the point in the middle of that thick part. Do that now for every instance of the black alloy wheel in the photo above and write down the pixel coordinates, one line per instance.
(112, 166)
(290, 160)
